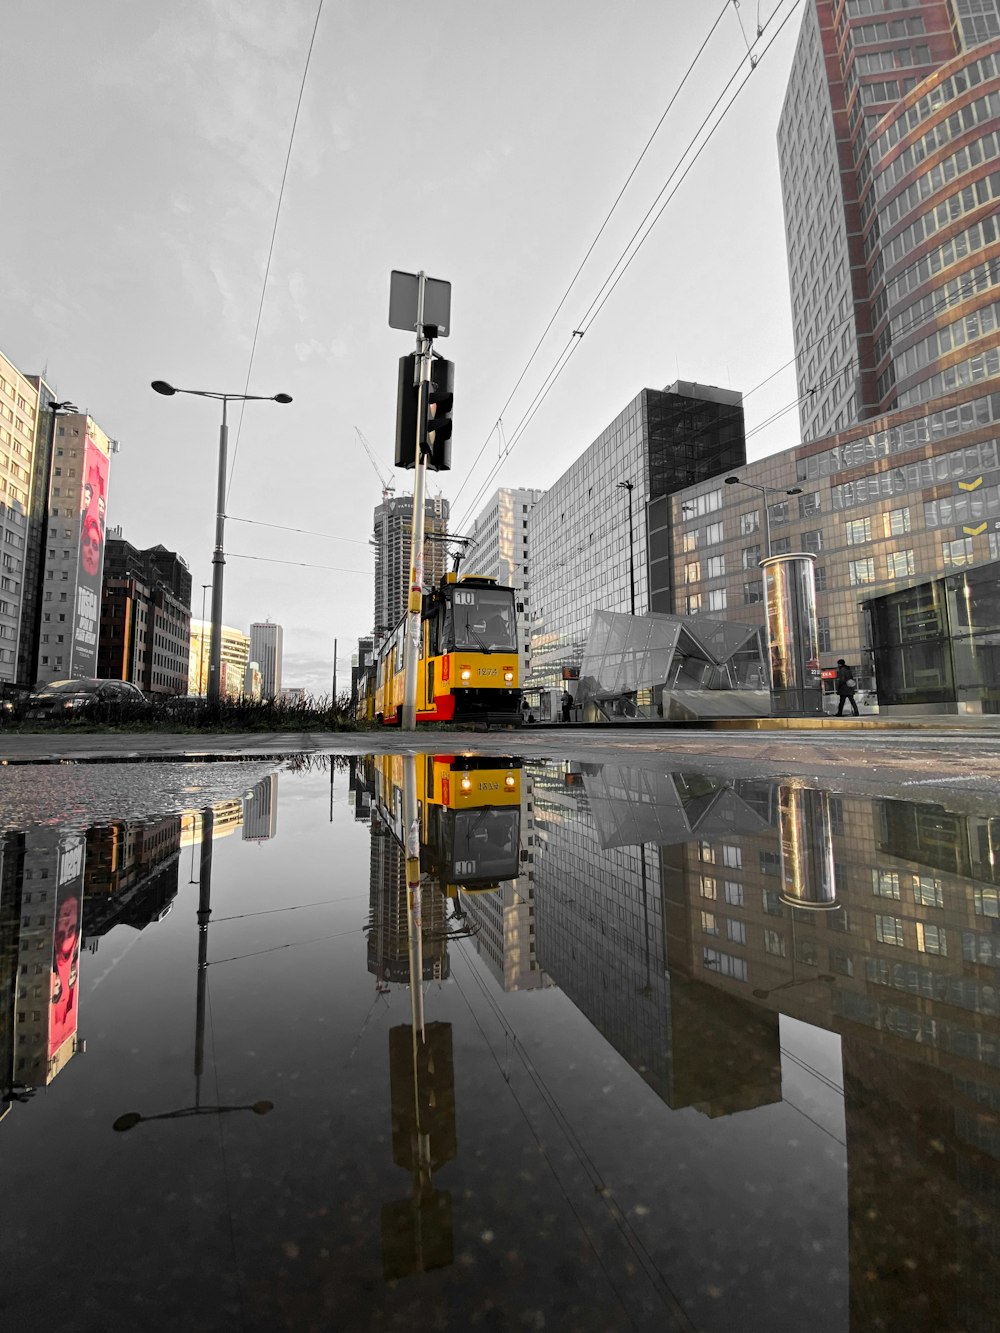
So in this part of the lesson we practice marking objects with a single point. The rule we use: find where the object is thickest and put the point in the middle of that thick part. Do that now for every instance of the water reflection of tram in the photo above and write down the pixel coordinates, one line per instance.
(468, 668)
(470, 816)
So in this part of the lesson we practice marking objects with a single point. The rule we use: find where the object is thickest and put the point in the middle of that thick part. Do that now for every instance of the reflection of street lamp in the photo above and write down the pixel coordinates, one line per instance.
(787, 985)
(43, 537)
(132, 1118)
(765, 491)
(630, 487)
(218, 555)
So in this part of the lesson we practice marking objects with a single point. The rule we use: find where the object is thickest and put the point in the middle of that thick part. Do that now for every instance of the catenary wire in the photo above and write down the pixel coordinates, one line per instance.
(611, 282)
(309, 532)
(302, 564)
(600, 231)
(274, 233)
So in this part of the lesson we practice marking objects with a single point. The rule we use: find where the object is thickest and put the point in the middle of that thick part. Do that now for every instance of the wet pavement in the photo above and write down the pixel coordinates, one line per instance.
(610, 1040)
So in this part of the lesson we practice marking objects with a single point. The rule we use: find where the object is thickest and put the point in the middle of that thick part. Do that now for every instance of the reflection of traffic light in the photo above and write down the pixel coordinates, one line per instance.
(406, 413)
(440, 400)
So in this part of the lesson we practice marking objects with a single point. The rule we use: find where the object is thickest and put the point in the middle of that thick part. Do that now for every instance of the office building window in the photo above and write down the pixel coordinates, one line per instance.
(732, 857)
(781, 545)
(813, 540)
(885, 883)
(896, 522)
(889, 930)
(736, 931)
(957, 553)
(899, 564)
(823, 634)
(750, 523)
(861, 571)
(928, 891)
(717, 599)
(716, 566)
(857, 531)
(709, 925)
(726, 964)
(774, 943)
(932, 939)
(753, 593)
(751, 557)
(692, 571)
(693, 602)
(734, 893)
(713, 534)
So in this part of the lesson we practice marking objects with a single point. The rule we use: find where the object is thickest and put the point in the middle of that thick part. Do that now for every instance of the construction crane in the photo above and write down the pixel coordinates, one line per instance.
(388, 485)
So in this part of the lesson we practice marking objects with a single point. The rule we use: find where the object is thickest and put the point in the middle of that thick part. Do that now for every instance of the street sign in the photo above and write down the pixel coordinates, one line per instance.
(403, 295)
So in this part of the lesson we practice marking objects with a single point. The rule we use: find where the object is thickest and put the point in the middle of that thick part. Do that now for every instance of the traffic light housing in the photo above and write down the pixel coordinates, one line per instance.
(438, 424)
(406, 413)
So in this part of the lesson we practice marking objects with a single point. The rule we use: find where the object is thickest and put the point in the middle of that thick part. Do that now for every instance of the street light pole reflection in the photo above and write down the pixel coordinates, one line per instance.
(132, 1118)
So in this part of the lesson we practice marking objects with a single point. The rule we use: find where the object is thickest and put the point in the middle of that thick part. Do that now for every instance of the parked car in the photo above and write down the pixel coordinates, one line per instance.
(64, 699)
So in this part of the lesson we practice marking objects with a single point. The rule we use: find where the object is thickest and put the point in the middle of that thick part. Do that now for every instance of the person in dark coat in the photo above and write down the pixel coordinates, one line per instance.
(846, 685)
(567, 704)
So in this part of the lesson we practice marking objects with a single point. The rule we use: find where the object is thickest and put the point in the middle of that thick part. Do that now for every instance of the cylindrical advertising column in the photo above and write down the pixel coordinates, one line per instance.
(792, 634)
(808, 877)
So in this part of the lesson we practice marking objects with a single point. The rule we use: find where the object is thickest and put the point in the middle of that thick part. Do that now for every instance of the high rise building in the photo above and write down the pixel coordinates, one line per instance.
(18, 433)
(235, 659)
(500, 550)
(260, 810)
(582, 559)
(889, 142)
(74, 549)
(392, 539)
(145, 617)
(265, 650)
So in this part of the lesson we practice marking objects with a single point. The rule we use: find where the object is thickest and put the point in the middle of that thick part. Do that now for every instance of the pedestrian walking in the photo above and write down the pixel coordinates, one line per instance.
(846, 685)
(567, 704)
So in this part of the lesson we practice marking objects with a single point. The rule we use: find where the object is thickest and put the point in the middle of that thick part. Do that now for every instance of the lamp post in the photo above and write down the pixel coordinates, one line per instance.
(765, 492)
(43, 539)
(630, 487)
(218, 555)
(201, 655)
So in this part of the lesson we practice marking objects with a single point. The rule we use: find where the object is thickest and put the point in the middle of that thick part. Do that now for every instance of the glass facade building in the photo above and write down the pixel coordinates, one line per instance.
(582, 559)
(908, 497)
(889, 143)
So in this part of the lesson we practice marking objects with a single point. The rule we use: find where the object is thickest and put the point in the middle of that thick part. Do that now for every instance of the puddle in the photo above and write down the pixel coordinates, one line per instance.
(683, 1053)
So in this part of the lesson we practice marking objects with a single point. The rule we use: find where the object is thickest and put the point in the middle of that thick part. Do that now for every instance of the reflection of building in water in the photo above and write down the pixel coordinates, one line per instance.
(11, 876)
(361, 788)
(47, 995)
(228, 818)
(906, 970)
(260, 810)
(388, 938)
(504, 921)
(131, 875)
(599, 884)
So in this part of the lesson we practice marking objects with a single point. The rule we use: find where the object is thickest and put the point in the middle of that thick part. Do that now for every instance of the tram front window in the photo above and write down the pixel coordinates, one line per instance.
(483, 620)
(486, 843)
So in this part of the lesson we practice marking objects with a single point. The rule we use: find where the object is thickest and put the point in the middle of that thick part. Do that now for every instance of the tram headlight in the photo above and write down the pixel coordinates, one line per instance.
(510, 781)
(465, 673)
(508, 676)
(466, 783)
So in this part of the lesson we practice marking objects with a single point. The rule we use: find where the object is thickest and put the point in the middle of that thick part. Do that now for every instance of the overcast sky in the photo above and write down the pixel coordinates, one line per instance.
(482, 143)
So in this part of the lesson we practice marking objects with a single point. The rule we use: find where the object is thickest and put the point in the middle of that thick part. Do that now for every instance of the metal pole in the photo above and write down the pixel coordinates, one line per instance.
(767, 521)
(201, 656)
(218, 569)
(412, 645)
(333, 697)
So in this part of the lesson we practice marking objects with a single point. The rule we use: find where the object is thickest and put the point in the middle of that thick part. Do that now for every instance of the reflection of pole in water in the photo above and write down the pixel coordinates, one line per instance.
(808, 877)
(417, 1232)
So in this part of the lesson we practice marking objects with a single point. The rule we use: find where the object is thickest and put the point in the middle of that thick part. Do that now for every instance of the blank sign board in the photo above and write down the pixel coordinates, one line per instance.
(403, 298)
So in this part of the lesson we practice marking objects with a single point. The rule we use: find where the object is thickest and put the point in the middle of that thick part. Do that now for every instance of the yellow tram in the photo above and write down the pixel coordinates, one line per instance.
(470, 816)
(468, 665)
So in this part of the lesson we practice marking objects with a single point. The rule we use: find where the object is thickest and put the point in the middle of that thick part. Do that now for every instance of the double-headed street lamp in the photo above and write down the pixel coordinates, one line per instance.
(765, 492)
(218, 555)
(630, 487)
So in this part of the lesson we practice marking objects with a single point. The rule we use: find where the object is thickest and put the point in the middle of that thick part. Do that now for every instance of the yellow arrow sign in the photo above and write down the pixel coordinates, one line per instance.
(974, 532)
(970, 485)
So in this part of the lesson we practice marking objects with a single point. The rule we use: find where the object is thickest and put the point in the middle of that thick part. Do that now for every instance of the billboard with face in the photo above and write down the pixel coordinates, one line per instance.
(90, 568)
(66, 945)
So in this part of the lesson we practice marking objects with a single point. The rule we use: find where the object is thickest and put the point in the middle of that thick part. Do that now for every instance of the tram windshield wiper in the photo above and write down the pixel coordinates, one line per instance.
(470, 630)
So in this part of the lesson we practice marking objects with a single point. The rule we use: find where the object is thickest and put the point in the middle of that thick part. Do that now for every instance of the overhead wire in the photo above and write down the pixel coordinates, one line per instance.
(622, 264)
(274, 233)
(600, 231)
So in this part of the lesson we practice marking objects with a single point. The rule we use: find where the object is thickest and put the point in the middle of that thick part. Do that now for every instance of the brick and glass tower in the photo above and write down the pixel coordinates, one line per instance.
(889, 142)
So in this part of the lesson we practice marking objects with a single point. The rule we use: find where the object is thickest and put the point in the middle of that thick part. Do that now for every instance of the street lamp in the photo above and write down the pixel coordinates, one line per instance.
(218, 555)
(630, 487)
(765, 491)
(43, 539)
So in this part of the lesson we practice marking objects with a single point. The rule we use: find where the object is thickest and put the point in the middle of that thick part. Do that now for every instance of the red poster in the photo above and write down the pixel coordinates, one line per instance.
(66, 945)
(90, 568)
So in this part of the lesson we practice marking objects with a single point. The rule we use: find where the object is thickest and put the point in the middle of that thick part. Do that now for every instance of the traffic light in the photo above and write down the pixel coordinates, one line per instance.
(440, 400)
(406, 413)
